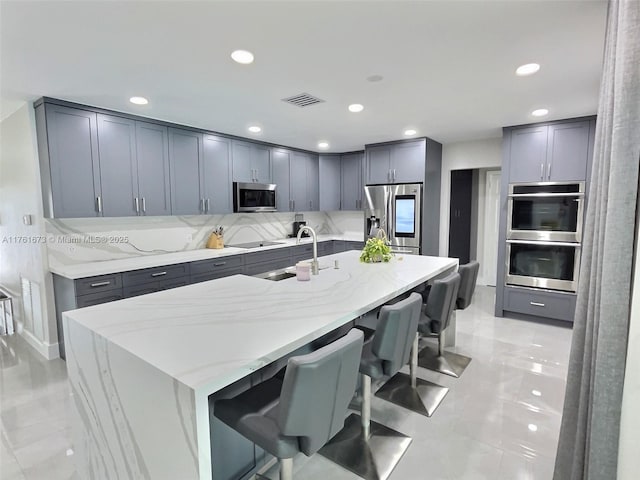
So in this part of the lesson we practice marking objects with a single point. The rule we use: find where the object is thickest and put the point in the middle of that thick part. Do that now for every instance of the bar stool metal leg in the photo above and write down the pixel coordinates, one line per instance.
(286, 469)
(365, 411)
(442, 361)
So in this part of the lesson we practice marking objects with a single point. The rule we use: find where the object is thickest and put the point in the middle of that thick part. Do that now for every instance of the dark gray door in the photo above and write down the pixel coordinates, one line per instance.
(379, 164)
(281, 159)
(408, 162)
(118, 166)
(154, 185)
(217, 174)
(241, 161)
(261, 163)
(460, 215)
(352, 187)
(73, 155)
(298, 182)
(313, 179)
(568, 152)
(185, 152)
(528, 154)
(329, 182)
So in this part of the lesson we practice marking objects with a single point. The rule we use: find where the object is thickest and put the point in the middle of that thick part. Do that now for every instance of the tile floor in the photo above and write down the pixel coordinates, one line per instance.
(500, 420)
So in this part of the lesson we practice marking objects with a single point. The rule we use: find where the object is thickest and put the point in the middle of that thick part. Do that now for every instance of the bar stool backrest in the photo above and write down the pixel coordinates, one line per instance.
(442, 299)
(317, 389)
(395, 332)
(468, 278)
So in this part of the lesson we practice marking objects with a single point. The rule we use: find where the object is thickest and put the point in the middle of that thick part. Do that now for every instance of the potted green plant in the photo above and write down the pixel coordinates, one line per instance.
(376, 250)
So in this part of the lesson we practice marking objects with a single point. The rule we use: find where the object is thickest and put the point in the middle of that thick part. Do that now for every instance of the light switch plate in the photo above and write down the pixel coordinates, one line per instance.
(26, 219)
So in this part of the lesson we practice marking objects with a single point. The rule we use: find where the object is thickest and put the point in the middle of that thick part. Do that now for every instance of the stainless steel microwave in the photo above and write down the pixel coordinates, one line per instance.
(254, 197)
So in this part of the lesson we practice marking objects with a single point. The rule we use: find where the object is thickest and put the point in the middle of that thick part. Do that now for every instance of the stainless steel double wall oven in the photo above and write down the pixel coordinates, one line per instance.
(544, 234)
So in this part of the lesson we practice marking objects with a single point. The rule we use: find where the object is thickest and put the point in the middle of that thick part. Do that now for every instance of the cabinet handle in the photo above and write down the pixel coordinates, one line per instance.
(99, 203)
(537, 304)
(158, 274)
(542, 171)
(549, 171)
(294, 205)
(144, 205)
(310, 204)
(136, 202)
(207, 205)
(100, 284)
(202, 205)
(219, 264)
(394, 174)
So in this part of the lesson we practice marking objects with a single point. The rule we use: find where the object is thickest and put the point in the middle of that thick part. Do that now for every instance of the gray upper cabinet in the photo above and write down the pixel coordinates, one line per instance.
(351, 179)
(549, 153)
(251, 162)
(154, 186)
(118, 166)
(185, 158)
(216, 173)
(402, 162)
(568, 151)
(528, 154)
(68, 150)
(329, 182)
(313, 179)
(298, 182)
(281, 159)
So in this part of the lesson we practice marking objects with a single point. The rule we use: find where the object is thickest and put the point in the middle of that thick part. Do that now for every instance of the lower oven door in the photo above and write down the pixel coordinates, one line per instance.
(548, 265)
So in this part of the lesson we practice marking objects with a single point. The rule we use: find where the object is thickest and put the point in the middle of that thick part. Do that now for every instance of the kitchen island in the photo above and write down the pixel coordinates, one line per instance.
(142, 369)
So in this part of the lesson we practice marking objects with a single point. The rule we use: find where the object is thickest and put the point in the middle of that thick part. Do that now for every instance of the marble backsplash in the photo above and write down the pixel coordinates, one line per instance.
(81, 240)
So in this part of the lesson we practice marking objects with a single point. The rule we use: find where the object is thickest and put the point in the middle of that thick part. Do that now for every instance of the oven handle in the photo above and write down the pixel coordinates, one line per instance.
(540, 242)
(538, 195)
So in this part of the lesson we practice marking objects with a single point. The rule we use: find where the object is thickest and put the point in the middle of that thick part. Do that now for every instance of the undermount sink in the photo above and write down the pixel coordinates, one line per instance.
(264, 243)
(276, 275)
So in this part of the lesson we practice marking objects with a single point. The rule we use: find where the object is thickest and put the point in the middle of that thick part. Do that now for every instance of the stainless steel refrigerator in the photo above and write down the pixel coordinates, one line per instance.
(398, 210)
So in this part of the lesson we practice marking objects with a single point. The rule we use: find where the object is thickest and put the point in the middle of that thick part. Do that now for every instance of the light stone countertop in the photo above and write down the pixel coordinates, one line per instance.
(210, 334)
(92, 269)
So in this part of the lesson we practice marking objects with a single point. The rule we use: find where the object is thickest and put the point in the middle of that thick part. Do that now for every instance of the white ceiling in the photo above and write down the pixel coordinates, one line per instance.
(448, 66)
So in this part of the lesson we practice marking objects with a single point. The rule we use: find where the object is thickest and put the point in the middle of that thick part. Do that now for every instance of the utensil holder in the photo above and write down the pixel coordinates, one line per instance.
(215, 241)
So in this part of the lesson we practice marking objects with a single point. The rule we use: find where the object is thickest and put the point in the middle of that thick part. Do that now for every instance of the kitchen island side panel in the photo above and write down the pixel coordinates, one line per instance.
(129, 419)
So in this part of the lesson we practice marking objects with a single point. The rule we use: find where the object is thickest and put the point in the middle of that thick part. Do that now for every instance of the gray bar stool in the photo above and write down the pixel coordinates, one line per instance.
(303, 411)
(440, 305)
(370, 449)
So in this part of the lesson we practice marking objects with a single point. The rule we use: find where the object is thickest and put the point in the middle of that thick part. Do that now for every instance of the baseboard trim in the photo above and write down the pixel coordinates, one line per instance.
(50, 351)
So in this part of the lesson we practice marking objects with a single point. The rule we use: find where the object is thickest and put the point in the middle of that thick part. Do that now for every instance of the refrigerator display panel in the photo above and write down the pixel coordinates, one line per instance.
(405, 216)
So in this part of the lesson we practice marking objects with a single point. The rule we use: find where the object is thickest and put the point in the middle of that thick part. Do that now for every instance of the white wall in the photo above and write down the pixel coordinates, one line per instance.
(628, 458)
(22, 250)
(473, 154)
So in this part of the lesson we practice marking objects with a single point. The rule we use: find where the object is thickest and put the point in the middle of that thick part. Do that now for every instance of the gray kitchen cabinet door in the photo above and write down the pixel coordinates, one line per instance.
(185, 158)
(216, 173)
(379, 164)
(408, 162)
(281, 160)
(329, 182)
(261, 163)
(351, 177)
(528, 154)
(298, 182)
(313, 187)
(72, 136)
(568, 151)
(154, 182)
(242, 167)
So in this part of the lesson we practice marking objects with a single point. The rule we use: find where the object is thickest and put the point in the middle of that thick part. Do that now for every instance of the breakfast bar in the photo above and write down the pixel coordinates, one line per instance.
(142, 369)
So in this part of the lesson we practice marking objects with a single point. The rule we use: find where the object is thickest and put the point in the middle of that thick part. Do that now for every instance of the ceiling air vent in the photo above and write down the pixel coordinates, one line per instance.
(302, 100)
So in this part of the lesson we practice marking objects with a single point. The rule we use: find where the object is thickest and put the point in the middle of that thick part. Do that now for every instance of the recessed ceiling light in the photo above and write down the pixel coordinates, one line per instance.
(242, 56)
(356, 107)
(536, 393)
(255, 129)
(323, 144)
(527, 69)
(541, 112)
(409, 132)
(532, 427)
(139, 100)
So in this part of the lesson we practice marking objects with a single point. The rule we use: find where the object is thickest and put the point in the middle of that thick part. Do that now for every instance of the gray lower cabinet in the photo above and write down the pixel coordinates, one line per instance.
(351, 245)
(352, 187)
(559, 306)
(267, 260)
(329, 182)
(185, 158)
(154, 184)
(205, 270)
(69, 163)
(155, 286)
(251, 162)
(305, 251)
(118, 166)
(216, 174)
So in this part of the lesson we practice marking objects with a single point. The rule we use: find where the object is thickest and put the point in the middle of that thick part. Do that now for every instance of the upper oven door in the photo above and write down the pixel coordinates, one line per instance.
(254, 197)
(546, 212)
